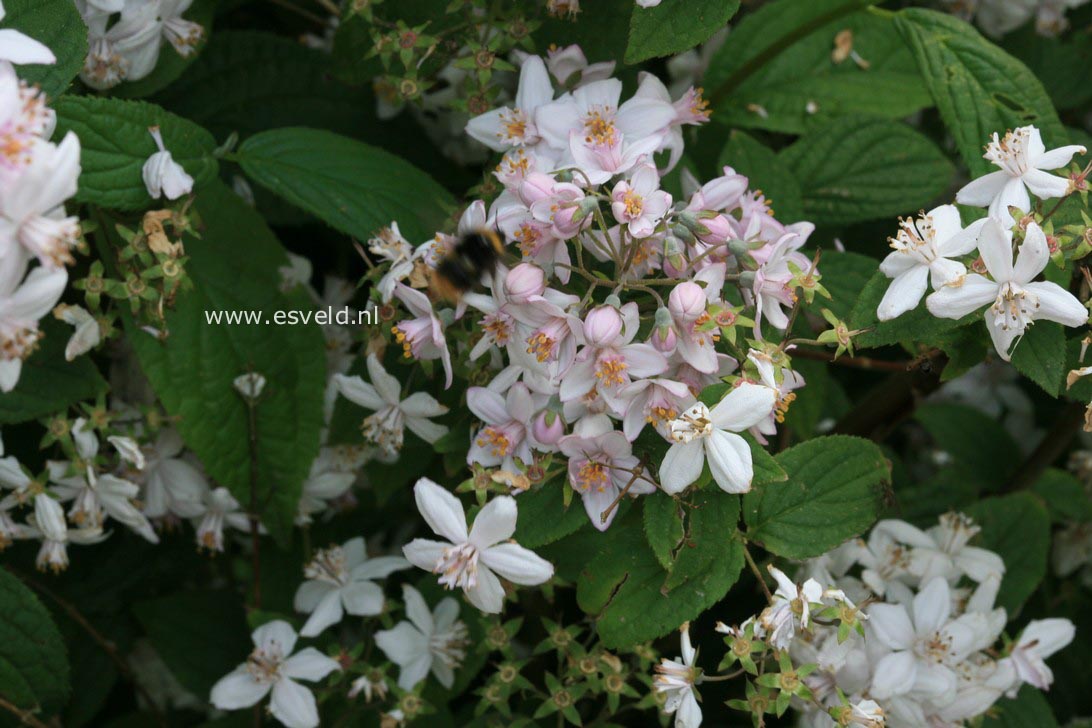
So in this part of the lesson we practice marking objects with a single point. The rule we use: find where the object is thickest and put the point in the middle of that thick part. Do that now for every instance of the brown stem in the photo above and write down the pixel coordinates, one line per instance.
(25, 716)
(255, 524)
(1050, 448)
(757, 572)
(97, 637)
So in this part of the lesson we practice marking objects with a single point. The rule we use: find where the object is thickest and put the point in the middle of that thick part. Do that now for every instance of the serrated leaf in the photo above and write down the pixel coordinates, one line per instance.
(779, 60)
(200, 635)
(671, 28)
(1064, 496)
(115, 144)
(766, 171)
(860, 168)
(621, 585)
(171, 64)
(234, 267)
(1017, 528)
(57, 24)
(1040, 355)
(354, 187)
(663, 523)
(978, 88)
(712, 517)
(48, 383)
(972, 439)
(833, 493)
(33, 663)
(915, 325)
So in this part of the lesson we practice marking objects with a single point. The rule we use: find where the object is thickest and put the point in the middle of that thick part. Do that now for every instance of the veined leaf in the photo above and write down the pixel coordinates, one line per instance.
(671, 28)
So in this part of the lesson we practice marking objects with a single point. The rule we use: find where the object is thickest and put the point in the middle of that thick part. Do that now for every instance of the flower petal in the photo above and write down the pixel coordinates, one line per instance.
(1033, 255)
(237, 689)
(894, 675)
(932, 605)
(904, 293)
(1057, 304)
(278, 632)
(327, 612)
(1045, 185)
(982, 191)
(487, 594)
(891, 625)
(957, 299)
(362, 598)
(309, 664)
(730, 461)
(517, 564)
(495, 522)
(681, 466)
(403, 644)
(441, 510)
(293, 704)
(358, 391)
(745, 406)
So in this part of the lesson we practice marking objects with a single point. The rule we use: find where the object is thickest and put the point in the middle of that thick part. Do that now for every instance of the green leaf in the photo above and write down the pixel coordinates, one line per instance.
(712, 517)
(115, 144)
(915, 325)
(601, 29)
(671, 28)
(56, 23)
(355, 187)
(1064, 496)
(663, 521)
(1052, 60)
(923, 500)
(234, 267)
(767, 172)
(845, 275)
(1040, 355)
(171, 64)
(543, 516)
(200, 635)
(780, 74)
(767, 468)
(860, 168)
(1029, 709)
(33, 663)
(1017, 528)
(973, 439)
(978, 88)
(48, 383)
(833, 494)
(621, 586)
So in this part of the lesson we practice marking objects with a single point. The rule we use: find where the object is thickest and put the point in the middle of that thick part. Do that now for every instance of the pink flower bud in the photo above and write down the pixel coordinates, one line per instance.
(523, 282)
(664, 339)
(547, 428)
(719, 228)
(687, 301)
(602, 326)
(536, 186)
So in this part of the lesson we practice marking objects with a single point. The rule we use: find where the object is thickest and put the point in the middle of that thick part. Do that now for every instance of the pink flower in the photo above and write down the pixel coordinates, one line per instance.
(609, 359)
(547, 430)
(639, 203)
(422, 338)
(504, 436)
(601, 465)
(697, 335)
(503, 128)
(653, 402)
(772, 287)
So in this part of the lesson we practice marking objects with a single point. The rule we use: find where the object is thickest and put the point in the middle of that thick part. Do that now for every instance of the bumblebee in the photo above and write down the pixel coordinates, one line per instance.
(473, 255)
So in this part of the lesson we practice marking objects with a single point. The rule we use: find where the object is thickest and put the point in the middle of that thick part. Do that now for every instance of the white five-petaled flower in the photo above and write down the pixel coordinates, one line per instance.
(433, 641)
(162, 175)
(1023, 160)
(393, 414)
(339, 580)
(87, 334)
(504, 128)
(1039, 640)
(678, 679)
(922, 252)
(469, 557)
(701, 433)
(791, 608)
(272, 667)
(1017, 299)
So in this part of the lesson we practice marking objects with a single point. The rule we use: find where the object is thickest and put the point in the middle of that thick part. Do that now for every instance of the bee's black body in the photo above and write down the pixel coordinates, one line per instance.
(474, 255)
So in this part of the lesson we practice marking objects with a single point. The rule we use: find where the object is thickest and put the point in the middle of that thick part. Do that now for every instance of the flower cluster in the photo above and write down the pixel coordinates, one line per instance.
(36, 178)
(909, 639)
(577, 347)
(927, 250)
(125, 37)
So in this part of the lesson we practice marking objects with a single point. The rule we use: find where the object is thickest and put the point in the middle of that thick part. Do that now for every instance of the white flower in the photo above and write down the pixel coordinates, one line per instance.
(922, 249)
(183, 34)
(164, 177)
(128, 50)
(47, 523)
(678, 679)
(392, 413)
(701, 433)
(171, 484)
(87, 334)
(1022, 158)
(1039, 640)
(866, 714)
(791, 607)
(22, 304)
(250, 385)
(273, 667)
(504, 128)
(468, 559)
(925, 644)
(220, 509)
(339, 579)
(369, 687)
(16, 47)
(430, 642)
(1018, 301)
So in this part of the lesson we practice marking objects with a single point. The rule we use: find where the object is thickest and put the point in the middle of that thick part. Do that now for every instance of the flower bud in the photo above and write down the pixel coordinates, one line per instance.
(718, 229)
(602, 325)
(687, 301)
(663, 333)
(523, 282)
(548, 428)
(534, 187)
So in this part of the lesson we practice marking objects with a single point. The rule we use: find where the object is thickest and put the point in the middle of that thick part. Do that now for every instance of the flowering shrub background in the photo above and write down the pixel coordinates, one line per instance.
(772, 411)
